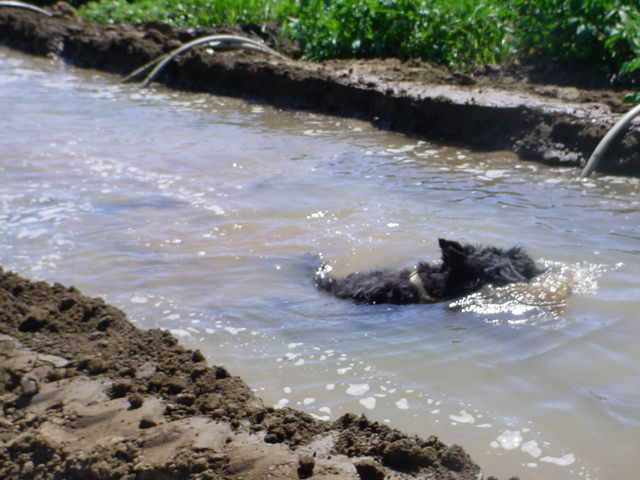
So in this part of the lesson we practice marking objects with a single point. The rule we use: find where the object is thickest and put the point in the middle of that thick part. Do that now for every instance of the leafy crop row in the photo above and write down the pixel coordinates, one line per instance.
(603, 33)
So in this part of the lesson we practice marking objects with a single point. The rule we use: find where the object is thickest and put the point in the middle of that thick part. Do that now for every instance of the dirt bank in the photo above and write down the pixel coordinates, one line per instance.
(87, 395)
(508, 108)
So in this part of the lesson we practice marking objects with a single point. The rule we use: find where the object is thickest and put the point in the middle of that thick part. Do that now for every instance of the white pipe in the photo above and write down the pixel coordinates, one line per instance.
(608, 139)
(232, 41)
(26, 6)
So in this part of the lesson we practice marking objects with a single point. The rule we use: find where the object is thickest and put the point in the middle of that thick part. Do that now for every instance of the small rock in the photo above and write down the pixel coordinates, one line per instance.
(64, 9)
(455, 458)
(147, 422)
(119, 389)
(29, 386)
(369, 470)
(135, 401)
(66, 304)
(27, 468)
(305, 466)
(407, 455)
(186, 399)
(197, 356)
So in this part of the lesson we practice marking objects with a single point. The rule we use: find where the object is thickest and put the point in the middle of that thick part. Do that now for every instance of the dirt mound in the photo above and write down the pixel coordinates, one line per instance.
(87, 395)
(508, 107)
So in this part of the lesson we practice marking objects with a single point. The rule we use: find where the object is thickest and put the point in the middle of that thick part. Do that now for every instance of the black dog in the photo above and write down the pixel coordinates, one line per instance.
(464, 269)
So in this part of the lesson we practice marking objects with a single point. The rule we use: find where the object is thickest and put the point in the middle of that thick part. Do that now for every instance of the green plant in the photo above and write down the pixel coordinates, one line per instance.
(605, 33)
(454, 32)
(186, 12)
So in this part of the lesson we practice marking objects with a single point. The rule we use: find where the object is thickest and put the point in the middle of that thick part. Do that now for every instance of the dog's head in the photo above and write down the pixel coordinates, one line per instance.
(467, 268)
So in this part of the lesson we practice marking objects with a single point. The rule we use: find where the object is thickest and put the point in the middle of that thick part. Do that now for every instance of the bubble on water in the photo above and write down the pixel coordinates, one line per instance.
(180, 332)
(531, 447)
(463, 417)
(563, 461)
(283, 402)
(358, 389)
(321, 417)
(509, 440)
(403, 149)
(234, 330)
(368, 402)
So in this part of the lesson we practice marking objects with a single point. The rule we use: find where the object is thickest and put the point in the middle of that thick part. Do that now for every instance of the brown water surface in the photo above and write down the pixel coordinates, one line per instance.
(206, 215)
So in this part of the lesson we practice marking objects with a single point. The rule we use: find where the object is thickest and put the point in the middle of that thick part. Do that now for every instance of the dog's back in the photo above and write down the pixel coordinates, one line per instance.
(377, 286)
(463, 270)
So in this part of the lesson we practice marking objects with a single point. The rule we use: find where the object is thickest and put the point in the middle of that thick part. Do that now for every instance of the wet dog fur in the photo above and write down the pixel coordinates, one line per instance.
(464, 269)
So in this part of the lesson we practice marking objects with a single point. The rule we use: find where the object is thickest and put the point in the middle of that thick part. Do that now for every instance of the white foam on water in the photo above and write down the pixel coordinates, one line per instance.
(234, 330)
(320, 417)
(508, 440)
(563, 461)
(368, 402)
(463, 417)
(358, 389)
(283, 402)
(180, 332)
(531, 447)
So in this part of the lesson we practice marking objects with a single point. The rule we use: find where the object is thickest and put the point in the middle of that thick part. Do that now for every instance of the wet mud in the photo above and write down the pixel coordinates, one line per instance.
(86, 395)
(540, 115)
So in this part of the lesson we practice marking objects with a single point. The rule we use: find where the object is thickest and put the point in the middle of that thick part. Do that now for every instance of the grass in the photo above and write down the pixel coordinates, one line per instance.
(460, 33)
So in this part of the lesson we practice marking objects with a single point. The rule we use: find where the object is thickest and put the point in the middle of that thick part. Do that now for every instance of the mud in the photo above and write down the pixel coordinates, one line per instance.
(87, 395)
(537, 112)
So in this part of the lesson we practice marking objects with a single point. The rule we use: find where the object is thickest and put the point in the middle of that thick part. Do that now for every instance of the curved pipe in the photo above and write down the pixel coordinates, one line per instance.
(608, 139)
(230, 41)
(26, 6)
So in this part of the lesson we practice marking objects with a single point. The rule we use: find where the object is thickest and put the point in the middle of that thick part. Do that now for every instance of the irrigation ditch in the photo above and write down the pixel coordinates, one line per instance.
(540, 115)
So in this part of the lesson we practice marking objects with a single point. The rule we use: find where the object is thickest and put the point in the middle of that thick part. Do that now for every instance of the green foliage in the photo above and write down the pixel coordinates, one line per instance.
(603, 33)
(454, 32)
(187, 12)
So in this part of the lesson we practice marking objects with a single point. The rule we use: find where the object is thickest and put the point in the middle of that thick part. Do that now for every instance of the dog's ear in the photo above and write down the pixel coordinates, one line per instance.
(452, 252)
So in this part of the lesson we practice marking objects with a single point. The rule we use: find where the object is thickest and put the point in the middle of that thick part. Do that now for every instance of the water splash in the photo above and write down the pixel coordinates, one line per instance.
(542, 301)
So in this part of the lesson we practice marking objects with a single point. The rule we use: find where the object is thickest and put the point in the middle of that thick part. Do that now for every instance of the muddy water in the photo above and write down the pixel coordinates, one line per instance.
(207, 216)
